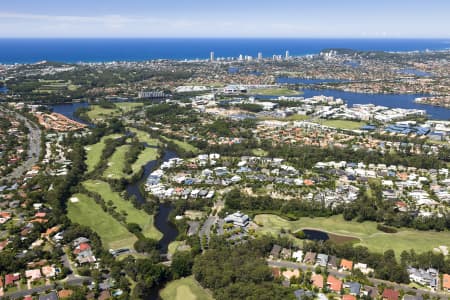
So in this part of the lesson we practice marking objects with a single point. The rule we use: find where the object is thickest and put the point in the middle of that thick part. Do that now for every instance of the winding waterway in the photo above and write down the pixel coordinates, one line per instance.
(161, 220)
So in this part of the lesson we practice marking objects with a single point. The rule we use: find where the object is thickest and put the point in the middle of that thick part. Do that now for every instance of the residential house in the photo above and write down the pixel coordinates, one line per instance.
(48, 271)
(317, 281)
(33, 275)
(389, 294)
(348, 297)
(333, 262)
(310, 258)
(286, 253)
(446, 282)
(62, 294)
(334, 284)
(363, 268)
(354, 288)
(49, 296)
(10, 279)
(370, 291)
(423, 277)
(300, 294)
(298, 255)
(346, 265)
(275, 252)
(322, 260)
(411, 297)
(288, 274)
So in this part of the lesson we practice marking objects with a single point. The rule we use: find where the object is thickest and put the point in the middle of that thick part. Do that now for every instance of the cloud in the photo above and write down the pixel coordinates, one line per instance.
(193, 24)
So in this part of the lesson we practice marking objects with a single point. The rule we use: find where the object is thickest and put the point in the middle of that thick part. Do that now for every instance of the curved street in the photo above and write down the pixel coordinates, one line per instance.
(34, 150)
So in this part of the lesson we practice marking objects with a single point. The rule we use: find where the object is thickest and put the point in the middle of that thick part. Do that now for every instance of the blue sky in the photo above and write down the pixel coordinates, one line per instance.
(226, 18)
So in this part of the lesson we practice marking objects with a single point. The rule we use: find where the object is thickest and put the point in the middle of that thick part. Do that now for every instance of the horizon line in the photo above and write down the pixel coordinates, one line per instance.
(230, 37)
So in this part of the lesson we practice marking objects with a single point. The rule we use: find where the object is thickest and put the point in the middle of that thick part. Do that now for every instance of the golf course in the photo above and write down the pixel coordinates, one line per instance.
(366, 232)
(85, 211)
(185, 289)
(132, 214)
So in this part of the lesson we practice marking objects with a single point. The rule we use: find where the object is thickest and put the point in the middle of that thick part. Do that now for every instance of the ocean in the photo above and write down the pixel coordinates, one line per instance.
(105, 50)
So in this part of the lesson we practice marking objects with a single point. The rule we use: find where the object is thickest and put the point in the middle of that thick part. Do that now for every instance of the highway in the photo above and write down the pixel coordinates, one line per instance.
(34, 150)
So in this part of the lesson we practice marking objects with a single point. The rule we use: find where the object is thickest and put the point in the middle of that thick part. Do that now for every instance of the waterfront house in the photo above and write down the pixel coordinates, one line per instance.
(346, 265)
(310, 258)
(275, 252)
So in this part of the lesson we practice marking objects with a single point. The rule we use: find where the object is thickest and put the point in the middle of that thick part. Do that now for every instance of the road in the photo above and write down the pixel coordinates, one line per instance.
(374, 281)
(34, 150)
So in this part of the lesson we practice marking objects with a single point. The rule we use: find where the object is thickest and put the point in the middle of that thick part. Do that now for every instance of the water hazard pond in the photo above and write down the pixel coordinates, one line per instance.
(317, 235)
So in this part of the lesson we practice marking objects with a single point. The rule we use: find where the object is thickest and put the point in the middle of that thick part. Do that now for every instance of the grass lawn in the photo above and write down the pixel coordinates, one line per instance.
(173, 246)
(259, 152)
(274, 92)
(98, 113)
(185, 146)
(133, 215)
(144, 157)
(87, 212)
(116, 163)
(94, 152)
(375, 240)
(185, 289)
(144, 137)
(342, 124)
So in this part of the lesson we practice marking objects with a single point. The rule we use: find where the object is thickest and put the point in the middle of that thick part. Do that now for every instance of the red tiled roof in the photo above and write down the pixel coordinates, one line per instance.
(390, 294)
(317, 280)
(334, 283)
(446, 281)
(346, 264)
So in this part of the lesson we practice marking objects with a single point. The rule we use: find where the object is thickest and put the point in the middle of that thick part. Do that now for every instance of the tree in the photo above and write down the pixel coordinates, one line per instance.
(182, 262)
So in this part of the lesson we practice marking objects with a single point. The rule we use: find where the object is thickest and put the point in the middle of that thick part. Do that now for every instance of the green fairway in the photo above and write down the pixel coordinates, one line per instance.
(144, 157)
(183, 145)
(97, 113)
(94, 152)
(173, 246)
(342, 124)
(133, 215)
(375, 240)
(185, 289)
(116, 163)
(84, 210)
(144, 137)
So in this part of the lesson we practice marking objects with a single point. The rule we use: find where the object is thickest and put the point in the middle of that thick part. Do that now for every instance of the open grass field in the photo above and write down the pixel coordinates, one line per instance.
(133, 215)
(87, 212)
(148, 154)
(144, 137)
(342, 124)
(173, 246)
(185, 289)
(94, 152)
(116, 163)
(375, 240)
(259, 152)
(98, 113)
(274, 92)
(185, 146)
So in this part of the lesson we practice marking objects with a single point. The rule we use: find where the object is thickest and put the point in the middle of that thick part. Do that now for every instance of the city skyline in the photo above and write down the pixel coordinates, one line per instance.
(202, 19)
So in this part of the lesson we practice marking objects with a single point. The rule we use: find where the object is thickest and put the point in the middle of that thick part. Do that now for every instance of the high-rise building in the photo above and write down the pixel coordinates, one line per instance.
(211, 56)
(260, 57)
(286, 56)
